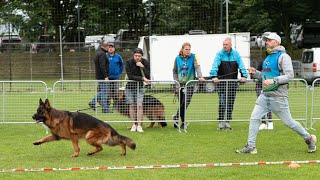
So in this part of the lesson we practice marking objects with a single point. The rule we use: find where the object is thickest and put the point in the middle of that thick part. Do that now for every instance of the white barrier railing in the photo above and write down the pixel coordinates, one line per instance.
(20, 100)
(204, 106)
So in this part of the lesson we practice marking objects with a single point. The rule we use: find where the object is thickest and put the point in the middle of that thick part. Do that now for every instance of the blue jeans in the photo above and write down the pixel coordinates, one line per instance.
(280, 107)
(227, 94)
(101, 96)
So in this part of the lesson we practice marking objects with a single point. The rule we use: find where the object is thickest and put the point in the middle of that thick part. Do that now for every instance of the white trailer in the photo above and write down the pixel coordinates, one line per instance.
(162, 51)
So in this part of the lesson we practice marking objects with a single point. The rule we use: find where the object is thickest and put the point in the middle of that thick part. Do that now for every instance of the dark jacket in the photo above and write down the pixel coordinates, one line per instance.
(102, 64)
(134, 72)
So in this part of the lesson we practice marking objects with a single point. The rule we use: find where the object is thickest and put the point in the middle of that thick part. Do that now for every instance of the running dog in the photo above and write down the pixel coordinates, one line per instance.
(74, 126)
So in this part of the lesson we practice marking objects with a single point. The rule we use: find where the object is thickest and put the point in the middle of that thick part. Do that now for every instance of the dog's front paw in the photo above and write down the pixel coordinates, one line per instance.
(37, 143)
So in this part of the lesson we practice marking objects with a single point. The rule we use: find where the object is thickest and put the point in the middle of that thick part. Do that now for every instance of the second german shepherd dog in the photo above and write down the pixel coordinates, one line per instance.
(153, 108)
(75, 125)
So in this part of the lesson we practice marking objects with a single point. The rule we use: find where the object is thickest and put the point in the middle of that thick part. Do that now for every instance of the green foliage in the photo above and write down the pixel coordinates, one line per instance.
(167, 16)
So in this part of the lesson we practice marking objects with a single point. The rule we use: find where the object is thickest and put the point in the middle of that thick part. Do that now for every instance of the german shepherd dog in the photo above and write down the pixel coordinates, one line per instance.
(152, 108)
(75, 125)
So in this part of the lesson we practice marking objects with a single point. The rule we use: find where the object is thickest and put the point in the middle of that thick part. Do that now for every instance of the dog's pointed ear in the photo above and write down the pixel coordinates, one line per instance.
(47, 104)
(40, 101)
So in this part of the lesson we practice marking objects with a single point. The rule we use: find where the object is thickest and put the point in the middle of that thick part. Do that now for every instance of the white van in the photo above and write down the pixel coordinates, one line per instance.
(310, 66)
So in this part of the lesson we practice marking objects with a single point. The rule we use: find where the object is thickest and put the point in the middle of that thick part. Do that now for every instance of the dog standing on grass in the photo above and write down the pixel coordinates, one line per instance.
(153, 108)
(74, 126)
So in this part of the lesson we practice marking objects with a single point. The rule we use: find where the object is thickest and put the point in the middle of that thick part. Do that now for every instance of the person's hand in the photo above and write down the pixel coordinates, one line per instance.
(106, 78)
(243, 79)
(146, 81)
(139, 64)
(215, 80)
(201, 79)
(251, 70)
(267, 82)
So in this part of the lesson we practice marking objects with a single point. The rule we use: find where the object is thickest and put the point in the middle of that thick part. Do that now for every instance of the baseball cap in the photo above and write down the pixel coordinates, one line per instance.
(138, 50)
(273, 36)
(110, 44)
(104, 43)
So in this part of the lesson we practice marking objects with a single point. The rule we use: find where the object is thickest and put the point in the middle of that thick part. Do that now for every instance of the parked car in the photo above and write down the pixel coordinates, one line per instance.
(45, 43)
(310, 66)
(126, 39)
(9, 42)
(253, 42)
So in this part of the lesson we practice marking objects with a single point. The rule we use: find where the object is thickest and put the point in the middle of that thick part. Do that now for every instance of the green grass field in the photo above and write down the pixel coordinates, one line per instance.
(202, 144)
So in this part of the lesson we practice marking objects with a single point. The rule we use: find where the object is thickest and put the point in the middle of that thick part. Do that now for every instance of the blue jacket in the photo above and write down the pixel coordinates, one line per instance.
(226, 65)
(115, 66)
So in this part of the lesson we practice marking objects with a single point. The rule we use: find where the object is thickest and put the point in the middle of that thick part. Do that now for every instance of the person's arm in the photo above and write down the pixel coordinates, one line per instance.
(121, 64)
(146, 69)
(175, 70)
(284, 64)
(241, 66)
(104, 65)
(215, 65)
(197, 67)
(129, 69)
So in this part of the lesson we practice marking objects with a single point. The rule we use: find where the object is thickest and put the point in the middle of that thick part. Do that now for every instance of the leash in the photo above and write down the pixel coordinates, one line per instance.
(227, 74)
(87, 108)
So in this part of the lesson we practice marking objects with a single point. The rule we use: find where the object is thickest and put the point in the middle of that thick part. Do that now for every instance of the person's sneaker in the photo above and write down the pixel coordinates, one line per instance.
(220, 126)
(270, 125)
(227, 126)
(92, 106)
(263, 126)
(139, 129)
(247, 149)
(312, 144)
(175, 119)
(133, 128)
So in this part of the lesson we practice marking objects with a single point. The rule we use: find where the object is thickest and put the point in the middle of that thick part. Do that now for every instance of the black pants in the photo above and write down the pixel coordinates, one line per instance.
(227, 94)
(182, 102)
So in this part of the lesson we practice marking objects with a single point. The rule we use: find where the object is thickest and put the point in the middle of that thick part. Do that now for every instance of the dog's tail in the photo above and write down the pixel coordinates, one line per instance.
(127, 141)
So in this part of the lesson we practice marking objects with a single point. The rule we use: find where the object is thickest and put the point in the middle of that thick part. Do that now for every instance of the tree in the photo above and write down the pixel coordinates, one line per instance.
(270, 15)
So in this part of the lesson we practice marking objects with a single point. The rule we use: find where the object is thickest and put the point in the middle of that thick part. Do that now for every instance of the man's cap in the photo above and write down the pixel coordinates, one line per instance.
(138, 50)
(273, 36)
(111, 44)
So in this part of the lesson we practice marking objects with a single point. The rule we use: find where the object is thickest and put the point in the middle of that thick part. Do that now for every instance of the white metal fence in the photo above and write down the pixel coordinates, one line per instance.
(315, 113)
(19, 101)
(204, 106)
(75, 95)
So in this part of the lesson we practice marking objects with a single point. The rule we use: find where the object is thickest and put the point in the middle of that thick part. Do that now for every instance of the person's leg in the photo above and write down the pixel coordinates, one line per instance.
(280, 107)
(182, 103)
(94, 100)
(222, 105)
(260, 109)
(140, 109)
(232, 91)
(109, 93)
(132, 108)
(187, 96)
(102, 96)
(175, 117)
